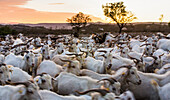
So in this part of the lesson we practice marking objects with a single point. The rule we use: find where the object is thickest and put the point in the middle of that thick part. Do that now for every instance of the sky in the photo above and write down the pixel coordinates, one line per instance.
(57, 11)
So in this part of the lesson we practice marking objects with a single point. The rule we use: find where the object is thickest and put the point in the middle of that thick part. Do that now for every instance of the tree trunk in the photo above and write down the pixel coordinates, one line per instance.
(120, 30)
(76, 34)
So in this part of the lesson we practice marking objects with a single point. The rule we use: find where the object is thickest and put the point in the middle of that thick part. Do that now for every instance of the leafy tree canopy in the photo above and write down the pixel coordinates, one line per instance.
(78, 21)
(118, 13)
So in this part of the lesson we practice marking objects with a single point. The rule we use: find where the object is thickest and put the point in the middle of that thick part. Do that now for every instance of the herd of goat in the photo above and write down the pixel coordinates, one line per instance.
(99, 67)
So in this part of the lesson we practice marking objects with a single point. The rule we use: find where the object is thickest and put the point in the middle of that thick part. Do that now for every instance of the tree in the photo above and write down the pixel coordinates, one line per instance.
(118, 13)
(7, 30)
(78, 21)
(161, 18)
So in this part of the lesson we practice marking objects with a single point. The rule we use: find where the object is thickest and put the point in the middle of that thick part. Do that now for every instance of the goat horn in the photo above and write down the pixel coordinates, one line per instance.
(4, 50)
(103, 56)
(112, 36)
(82, 50)
(133, 58)
(103, 92)
(75, 54)
(161, 55)
(130, 57)
(121, 42)
(111, 50)
(144, 44)
(111, 80)
(167, 68)
(118, 46)
(18, 45)
(18, 83)
(29, 41)
(22, 52)
(125, 66)
(41, 74)
(154, 57)
(65, 60)
(102, 51)
(39, 45)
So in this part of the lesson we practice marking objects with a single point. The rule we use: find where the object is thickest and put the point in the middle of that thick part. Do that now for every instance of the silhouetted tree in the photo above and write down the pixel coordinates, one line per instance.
(161, 18)
(78, 21)
(118, 13)
(169, 24)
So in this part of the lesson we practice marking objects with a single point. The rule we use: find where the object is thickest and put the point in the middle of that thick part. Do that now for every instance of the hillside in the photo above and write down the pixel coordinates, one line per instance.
(42, 29)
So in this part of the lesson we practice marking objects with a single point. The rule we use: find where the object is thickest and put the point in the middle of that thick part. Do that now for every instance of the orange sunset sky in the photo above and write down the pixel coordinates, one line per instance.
(57, 11)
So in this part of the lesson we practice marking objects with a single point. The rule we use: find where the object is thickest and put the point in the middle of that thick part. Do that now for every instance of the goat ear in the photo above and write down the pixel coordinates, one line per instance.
(10, 70)
(124, 73)
(103, 87)
(156, 70)
(65, 65)
(154, 83)
(9, 66)
(37, 80)
(22, 91)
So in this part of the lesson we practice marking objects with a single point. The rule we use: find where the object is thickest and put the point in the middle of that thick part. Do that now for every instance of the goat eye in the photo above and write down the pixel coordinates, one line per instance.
(43, 80)
(30, 91)
(27, 57)
(132, 73)
(73, 66)
(113, 88)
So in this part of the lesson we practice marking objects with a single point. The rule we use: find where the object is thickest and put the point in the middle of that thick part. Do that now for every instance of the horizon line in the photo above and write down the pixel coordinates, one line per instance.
(15, 23)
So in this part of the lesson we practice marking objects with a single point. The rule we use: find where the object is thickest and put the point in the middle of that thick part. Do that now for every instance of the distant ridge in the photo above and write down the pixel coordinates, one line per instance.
(68, 26)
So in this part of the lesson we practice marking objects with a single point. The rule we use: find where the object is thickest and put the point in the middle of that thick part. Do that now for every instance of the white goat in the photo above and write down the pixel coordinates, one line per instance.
(57, 58)
(45, 51)
(25, 63)
(128, 95)
(18, 75)
(4, 73)
(123, 75)
(69, 83)
(150, 92)
(164, 44)
(48, 95)
(99, 94)
(164, 69)
(17, 41)
(94, 65)
(12, 92)
(28, 90)
(2, 58)
(44, 81)
(119, 61)
(162, 91)
(49, 67)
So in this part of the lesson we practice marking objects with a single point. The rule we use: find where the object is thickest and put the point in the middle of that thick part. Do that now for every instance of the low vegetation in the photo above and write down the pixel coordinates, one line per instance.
(133, 29)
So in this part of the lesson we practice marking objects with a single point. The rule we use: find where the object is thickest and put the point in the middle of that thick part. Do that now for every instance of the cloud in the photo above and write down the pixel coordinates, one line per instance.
(13, 2)
(10, 13)
(56, 3)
